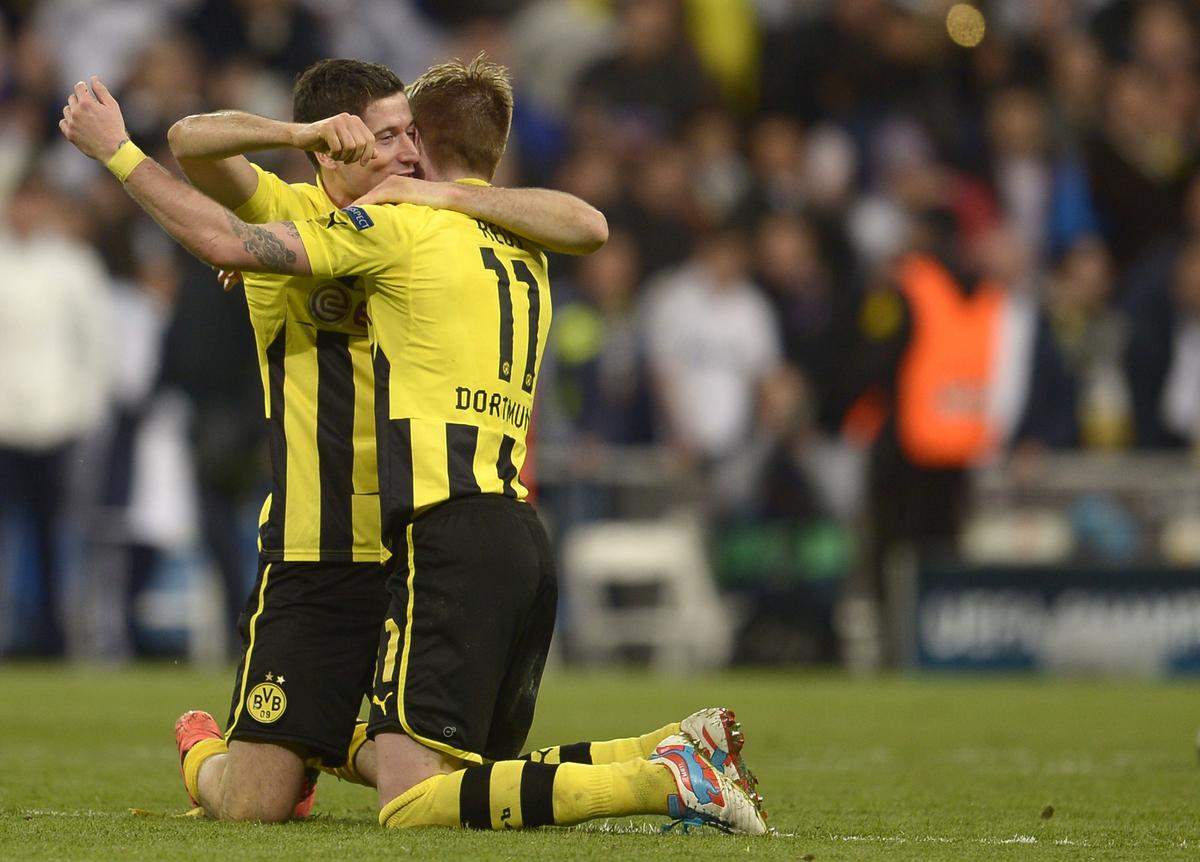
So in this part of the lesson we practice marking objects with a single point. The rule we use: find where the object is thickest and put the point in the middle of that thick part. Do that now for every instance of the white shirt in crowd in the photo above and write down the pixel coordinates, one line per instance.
(55, 345)
(711, 347)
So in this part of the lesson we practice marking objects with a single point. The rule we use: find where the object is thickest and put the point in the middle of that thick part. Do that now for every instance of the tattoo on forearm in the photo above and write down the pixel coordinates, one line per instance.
(267, 248)
(290, 227)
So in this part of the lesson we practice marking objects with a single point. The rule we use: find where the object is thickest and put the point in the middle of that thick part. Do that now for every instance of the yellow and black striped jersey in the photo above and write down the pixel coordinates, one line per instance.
(318, 385)
(459, 313)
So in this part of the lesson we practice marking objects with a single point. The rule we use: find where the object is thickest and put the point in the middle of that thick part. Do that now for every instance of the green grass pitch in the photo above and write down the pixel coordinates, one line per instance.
(930, 768)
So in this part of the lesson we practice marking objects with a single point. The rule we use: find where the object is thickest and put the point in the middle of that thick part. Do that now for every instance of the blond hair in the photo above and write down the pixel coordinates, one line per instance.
(464, 114)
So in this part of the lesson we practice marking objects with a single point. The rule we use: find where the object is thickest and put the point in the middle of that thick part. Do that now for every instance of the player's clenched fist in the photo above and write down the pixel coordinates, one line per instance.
(92, 120)
(344, 137)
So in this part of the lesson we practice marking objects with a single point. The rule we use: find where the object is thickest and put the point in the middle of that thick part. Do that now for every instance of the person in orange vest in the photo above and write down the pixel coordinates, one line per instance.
(953, 366)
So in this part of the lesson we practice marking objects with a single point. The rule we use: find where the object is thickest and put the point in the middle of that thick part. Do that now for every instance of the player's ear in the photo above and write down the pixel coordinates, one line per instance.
(324, 160)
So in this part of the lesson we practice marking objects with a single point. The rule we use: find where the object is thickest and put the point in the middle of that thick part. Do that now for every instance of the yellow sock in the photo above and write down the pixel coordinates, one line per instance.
(611, 790)
(433, 802)
(511, 794)
(606, 751)
(197, 754)
(348, 771)
(629, 749)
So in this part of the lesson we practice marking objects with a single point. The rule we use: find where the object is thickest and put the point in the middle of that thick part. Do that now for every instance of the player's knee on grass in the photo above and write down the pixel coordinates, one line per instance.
(262, 782)
(403, 763)
(272, 807)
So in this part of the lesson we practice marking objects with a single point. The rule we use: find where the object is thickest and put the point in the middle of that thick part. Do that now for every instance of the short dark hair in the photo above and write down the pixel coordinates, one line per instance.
(336, 86)
(464, 113)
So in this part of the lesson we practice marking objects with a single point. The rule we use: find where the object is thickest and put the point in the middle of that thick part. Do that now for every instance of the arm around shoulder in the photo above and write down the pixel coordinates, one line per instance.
(555, 220)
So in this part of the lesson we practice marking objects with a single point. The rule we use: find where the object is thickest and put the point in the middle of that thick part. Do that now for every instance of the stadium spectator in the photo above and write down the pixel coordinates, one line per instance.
(824, 66)
(73, 39)
(139, 507)
(1075, 88)
(653, 84)
(719, 176)
(1091, 336)
(595, 366)
(1020, 170)
(953, 347)
(660, 210)
(593, 173)
(281, 37)
(1150, 310)
(777, 161)
(811, 308)
(809, 174)
(595, 394)
(1138, 165)
(553, 43)
(1033, 394)
(164, 84)
(394, 33)
(1180, 401)
(208, 357)
(55, 384)
(712, 341)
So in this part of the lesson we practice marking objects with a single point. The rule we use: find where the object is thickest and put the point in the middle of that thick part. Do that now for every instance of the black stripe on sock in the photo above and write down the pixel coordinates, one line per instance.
(537, 794)
(272, 534)
(475, 797)
(335, 439)
(576, 752)
(461, 441)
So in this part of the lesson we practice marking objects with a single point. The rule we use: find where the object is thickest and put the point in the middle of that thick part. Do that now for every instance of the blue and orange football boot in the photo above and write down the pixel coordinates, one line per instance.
(706, 796)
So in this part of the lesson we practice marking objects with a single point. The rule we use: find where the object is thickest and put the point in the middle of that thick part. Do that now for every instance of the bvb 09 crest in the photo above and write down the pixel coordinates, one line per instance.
(266, 702)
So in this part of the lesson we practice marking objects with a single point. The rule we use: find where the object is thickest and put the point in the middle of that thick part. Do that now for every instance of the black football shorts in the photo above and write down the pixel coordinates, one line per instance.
(310, 632)
(473, 600)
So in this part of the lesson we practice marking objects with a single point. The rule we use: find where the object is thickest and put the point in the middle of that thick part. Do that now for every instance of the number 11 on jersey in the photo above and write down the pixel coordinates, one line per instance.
(507, 324)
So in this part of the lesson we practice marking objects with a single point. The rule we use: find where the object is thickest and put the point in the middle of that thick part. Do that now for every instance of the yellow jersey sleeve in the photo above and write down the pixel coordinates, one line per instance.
(359, 240)
(271, 196)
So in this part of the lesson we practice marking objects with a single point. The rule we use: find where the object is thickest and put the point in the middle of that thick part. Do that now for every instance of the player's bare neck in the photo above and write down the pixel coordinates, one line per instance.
(451, 176)
(337, 193)
(450, 173)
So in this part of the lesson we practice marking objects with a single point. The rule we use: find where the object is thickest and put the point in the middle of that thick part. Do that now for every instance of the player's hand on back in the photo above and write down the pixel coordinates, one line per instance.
(92, 120)
(344, 137)
(407, 190)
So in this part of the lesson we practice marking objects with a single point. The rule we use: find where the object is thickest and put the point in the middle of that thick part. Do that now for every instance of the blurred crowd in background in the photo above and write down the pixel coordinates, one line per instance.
(763, 164)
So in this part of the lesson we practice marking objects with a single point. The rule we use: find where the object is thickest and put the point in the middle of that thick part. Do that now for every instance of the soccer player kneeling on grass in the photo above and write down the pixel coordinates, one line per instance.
(311, 627)
(461, 309)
